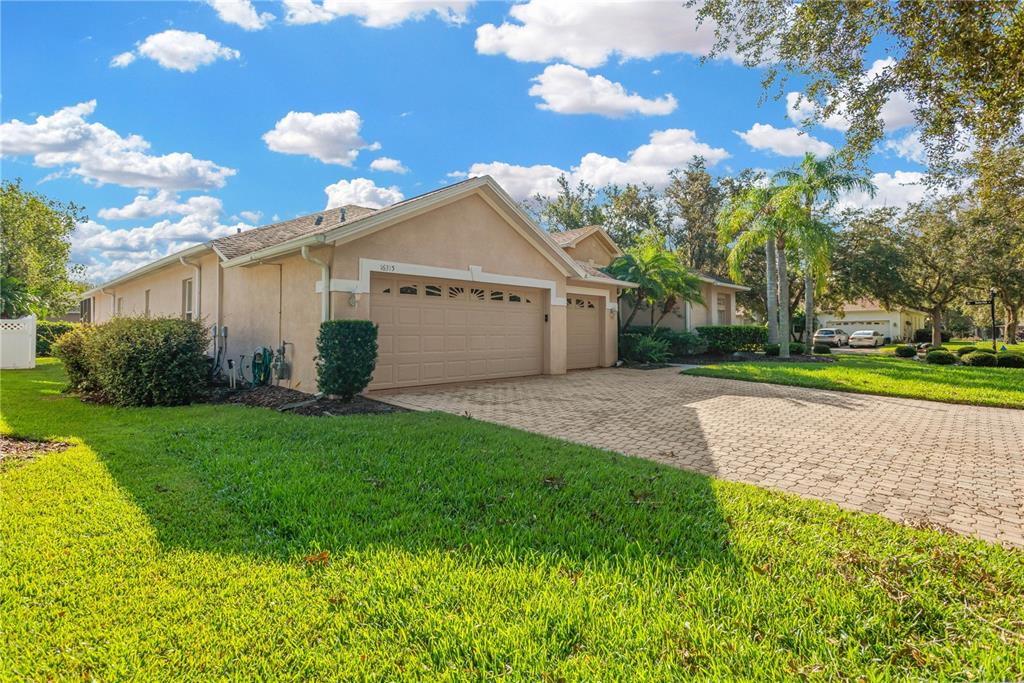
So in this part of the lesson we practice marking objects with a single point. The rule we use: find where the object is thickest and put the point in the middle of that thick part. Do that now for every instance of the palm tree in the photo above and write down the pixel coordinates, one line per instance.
(752, 221)
(659, 277)
(814, 180)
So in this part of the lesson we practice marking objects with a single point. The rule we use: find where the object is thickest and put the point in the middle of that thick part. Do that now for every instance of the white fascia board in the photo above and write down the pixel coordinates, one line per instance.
(172, 259)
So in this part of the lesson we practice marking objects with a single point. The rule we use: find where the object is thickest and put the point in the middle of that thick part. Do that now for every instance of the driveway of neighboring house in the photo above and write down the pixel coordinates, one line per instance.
(960, 467)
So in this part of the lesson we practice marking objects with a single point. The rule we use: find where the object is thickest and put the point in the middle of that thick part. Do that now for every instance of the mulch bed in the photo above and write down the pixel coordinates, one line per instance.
(15, 452)
(293, 401)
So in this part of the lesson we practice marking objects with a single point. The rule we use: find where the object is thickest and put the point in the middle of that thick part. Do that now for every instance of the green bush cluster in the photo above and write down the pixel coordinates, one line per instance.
(137, 361)
(940, 357)
(795, 349)
(47, 332)
(346, 357)
(823, 349)
(964, 350)
(979, 359)
(1009, 359)
(679, 343)
(924, 335)
(732, 338)
(651, 349)
(906, 351)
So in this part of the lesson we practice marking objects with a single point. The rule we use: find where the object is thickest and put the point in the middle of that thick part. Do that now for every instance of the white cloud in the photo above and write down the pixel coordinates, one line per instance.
(896, 190)
(787, 142)
(178, 50)
(908, 147)
(108, 253)
(388, 165)
(251, 216)
(896, 113)
(241, 13)
(333, 138)
(374, 13)
(363, 192)
(648, 163)
(161, 204)
(568, 90)
(101, 155)
(586, 34)
(122, 60)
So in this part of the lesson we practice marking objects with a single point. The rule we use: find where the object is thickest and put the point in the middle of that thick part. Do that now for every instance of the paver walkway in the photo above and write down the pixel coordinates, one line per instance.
(961, 467)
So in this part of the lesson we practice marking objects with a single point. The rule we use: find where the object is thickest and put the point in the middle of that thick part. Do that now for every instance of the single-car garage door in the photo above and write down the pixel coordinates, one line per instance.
(433, 331)
(583, 321)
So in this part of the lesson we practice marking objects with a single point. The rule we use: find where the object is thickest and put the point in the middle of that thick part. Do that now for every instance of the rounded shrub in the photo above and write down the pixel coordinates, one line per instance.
(906, 351)
(1010, 359)
(985, 349)
(964, 350)
(346, 357)
(940, 357)
(797, 349)
(978, 359)
(652, 349)
(148, 361)
(70, 348)
(822, 349)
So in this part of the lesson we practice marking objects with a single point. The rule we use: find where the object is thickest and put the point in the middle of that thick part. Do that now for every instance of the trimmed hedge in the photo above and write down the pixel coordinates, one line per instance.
(795, 349)
(823, 349)
(47, 332)
(1010, 359)
(679, 343)
(732, 338)
(906, 351)
(70, 348)
(985, 349)
(979, 359)
(924, 335)
(940, 357)
(346, 357)
(964, 350)
(137, 361)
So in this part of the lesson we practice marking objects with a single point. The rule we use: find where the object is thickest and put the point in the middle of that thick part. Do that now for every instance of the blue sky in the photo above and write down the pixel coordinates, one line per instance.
(174, 122)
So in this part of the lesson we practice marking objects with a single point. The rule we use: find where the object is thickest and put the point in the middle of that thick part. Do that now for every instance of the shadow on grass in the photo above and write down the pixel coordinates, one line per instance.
(239, 480)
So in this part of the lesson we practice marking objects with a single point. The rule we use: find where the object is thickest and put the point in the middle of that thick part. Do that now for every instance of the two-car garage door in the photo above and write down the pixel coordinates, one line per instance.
(433, 331)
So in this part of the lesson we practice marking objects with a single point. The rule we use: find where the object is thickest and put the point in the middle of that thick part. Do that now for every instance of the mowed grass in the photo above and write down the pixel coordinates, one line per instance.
(186, 543)
(957, 343)
(887, 376)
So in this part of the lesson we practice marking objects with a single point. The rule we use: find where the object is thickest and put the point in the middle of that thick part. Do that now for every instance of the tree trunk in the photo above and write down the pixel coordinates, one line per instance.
(809, 303)
(632, 314)
(772, 301)
(1012, 322)
(937, 326)
(783, 277)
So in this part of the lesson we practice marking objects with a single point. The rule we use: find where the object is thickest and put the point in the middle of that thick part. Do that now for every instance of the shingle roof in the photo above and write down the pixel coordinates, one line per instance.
(716, 278)
(249, 241)
(567, 237)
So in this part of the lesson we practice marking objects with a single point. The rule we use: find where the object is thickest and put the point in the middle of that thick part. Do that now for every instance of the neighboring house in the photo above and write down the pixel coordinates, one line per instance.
(896, 325)
(719, 307)
(462, 284)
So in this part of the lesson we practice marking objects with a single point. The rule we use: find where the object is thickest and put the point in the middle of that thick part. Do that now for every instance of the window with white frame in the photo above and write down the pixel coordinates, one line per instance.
(186, 299)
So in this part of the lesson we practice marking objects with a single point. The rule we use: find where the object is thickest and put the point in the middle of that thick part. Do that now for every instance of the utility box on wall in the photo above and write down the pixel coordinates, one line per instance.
(18, 343)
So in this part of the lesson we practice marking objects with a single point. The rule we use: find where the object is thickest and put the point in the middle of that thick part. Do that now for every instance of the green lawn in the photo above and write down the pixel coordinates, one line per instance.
(957, 343)
(173, 543)
(888, 376)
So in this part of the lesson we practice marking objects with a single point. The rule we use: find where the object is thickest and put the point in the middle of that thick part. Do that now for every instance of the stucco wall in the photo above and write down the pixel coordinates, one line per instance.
(591, 248)
(700, 314)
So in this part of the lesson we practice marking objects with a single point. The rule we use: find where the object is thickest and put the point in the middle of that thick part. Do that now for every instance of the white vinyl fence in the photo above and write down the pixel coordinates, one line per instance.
(18, 343)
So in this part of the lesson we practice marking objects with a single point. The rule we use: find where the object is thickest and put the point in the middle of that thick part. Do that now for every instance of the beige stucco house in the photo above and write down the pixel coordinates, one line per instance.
(719, 307)
(461, 282)
(897, 325)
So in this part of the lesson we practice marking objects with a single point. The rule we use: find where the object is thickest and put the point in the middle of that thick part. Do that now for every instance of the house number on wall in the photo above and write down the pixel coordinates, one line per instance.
(387, 268)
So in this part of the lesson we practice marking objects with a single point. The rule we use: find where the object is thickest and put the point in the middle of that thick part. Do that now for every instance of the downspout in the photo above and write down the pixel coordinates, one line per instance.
(325, 279)
(197, 291)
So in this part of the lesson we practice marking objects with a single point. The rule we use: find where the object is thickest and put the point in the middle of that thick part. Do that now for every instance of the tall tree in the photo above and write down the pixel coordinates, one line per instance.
(662, 282)
(571, 208)
(35, 247)
(819, 182)
(694, 199)
(958, 63)
(633, 212)
(764, 217)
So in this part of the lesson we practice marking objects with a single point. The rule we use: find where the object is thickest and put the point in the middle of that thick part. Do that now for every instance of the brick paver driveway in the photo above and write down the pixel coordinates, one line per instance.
(961, 467)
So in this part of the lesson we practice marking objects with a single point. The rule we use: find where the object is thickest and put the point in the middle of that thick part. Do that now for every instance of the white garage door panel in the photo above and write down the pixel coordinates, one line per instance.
(584, 332)
(434, 331)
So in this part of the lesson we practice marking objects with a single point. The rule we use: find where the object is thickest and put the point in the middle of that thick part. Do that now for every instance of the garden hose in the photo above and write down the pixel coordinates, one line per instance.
(262, 358)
